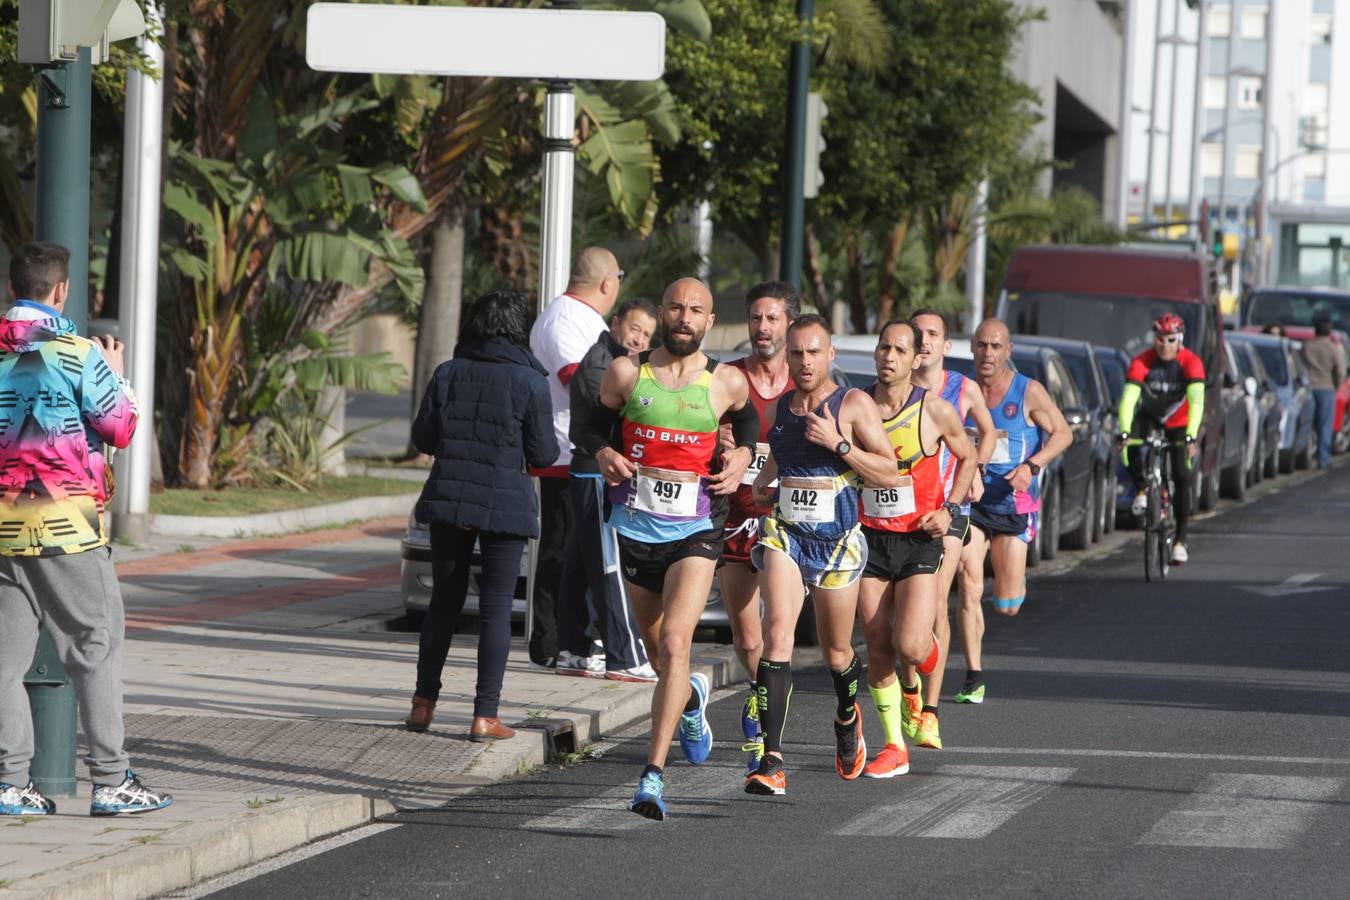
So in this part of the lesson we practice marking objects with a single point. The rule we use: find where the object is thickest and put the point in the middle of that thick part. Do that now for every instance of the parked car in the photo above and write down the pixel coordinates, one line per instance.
(415, 576)
(1266, 411)
(1115, 363)
(1282, 362)
(1085, 367)
(1239, 430)
(1111, 296)
(1296, 307)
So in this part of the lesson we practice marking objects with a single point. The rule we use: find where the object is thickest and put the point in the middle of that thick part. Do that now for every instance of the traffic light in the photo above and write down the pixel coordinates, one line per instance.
(55, 30)
(812, 177)
(1218, 243)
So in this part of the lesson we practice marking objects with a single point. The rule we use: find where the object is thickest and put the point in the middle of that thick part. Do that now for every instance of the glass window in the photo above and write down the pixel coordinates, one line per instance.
(1319, 29)
(1068, 389)
(1080, 370)
(1109, 320)
(1242, 359)
(1273, 356)
(1249, 92)
(1254, 24)
(1220, 21)
(1300, 308)
(1115, 377)
(1247, 161)
(1216, 92)
(1211, 160)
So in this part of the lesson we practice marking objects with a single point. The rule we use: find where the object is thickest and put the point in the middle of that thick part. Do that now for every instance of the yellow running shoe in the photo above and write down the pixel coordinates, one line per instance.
(911, 705)
(926, 735)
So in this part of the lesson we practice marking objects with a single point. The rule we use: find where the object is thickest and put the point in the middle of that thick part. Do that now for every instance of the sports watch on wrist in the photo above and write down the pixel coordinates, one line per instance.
(842, 448)
(1035, 469)
(953, 509)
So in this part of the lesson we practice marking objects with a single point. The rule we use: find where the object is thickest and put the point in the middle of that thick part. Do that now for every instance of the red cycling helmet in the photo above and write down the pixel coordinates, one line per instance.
(1169, 323)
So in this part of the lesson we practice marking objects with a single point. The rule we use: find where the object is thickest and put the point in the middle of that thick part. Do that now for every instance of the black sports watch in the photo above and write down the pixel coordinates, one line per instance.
(1190, 439)
(953, 509)
(1035, 469)
(842, 448)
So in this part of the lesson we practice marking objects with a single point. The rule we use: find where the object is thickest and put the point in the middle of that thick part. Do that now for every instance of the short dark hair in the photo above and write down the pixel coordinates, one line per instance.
(37, 268)
(807, 320)
(930, 311)
(1322, 325)
(908, 323)
(501, 313)
(778, 290)
(631, 304)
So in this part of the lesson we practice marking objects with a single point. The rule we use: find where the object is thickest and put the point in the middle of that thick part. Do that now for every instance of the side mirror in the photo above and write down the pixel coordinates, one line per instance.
(1249, 385)
(1076, 415)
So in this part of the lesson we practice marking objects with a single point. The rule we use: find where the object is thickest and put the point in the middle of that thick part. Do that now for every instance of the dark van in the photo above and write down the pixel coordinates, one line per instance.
(1110, 296)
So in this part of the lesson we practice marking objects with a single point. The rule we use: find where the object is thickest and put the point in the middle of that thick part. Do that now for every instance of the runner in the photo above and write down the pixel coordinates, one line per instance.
(668, 487)
(769, 307)
(822, 439)
(919, 718)
(1031, 432)
(904, 526)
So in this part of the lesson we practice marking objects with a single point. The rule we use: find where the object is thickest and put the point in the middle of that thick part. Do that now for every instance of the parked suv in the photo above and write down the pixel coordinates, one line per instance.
(1281, 359)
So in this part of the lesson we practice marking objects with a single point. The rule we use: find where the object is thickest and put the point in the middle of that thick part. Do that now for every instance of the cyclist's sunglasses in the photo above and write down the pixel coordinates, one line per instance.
(1167, 338)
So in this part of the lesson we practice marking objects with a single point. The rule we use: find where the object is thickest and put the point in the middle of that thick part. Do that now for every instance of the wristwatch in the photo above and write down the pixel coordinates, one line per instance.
(953, 509)
(1190, 439)
(842, 448)
(1035, 469)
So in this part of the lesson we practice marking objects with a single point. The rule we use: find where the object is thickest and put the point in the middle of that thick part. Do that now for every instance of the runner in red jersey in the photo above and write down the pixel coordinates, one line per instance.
(769, 307)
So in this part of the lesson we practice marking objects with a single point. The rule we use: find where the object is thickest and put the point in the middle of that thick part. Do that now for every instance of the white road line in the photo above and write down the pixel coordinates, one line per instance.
(690, 791)
(1249, 812)
(1154, 754)
(960, 802)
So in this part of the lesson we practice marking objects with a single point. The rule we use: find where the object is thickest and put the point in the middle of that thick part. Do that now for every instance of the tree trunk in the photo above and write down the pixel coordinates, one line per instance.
(857, 301)
(438, 320)
(333, 405)
(813, 266)
(895, 242)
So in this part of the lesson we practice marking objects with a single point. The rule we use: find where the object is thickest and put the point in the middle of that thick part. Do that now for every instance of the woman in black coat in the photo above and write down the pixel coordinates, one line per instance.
(485, 416)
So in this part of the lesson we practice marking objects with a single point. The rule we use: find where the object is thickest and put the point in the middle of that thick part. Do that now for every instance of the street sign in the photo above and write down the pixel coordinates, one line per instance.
(549, 44)
(1134, 203)
(55, 30)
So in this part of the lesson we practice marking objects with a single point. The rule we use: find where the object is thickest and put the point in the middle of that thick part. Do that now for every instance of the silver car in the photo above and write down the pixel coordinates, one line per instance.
(415, 575)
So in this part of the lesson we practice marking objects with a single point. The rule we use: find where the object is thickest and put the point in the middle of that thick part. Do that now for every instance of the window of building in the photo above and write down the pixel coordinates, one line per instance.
(1220, 21)
(1247, 161)
(1319, 29)
(1249, 92)
(1211, 160)
(1216, 92)
(1253, 24)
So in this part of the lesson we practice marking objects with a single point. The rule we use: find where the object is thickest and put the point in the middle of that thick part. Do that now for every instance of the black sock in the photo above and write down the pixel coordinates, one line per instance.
(845, 689)
(972, 676)
(774, 686)
(651, 770)
(909, 688)
(931, 709)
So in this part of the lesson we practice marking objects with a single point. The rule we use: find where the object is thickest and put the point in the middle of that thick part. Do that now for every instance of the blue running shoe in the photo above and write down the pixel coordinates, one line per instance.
(24, 801)
(647, 801)
(755, 749)
(131, 796)
(750, 716)
(695, 733)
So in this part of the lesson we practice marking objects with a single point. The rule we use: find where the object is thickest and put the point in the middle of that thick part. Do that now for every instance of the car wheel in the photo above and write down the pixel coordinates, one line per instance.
(1304, 459)
(1109, 500)
(1259, 462)
(1081, 537)
(1099, 511)
(1050, 508)
(1286, 461)
(1233, 482)
(1272, 463)
(1209, 487)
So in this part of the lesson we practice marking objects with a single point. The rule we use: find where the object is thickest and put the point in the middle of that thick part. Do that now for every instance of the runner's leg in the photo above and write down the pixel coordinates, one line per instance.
(685, 595)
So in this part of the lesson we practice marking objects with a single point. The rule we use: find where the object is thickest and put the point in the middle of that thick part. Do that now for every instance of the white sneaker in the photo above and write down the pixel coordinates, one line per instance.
(585, 666)
(1179, 554)
(643, 674)
(1140, 504)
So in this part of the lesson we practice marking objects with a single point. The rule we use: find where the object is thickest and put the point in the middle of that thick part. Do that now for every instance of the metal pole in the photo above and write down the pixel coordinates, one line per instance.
(1123, 124)
(1263, 212)
(975, 259)
(62, 213)
(1198, 116)
(701, 226)
(141, 163)
(1152, 111)
(1227, 112)
(555, 220)
(794, 161)
(1172, 115)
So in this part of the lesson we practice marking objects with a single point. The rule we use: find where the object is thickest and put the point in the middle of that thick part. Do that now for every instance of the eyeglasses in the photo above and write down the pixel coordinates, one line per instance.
(619, 275)
(1167, 339)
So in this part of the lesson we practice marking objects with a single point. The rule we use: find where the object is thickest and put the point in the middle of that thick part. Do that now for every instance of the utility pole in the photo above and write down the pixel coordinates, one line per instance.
(1124, 117)
(1152, 112)
(975, 259)
(1172, 114)
(794, 162)
(1264, 248)
(1227, 112)
(1198, 116)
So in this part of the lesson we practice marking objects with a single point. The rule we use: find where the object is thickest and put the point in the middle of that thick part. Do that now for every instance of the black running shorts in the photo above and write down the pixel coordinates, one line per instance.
(645, 565)
(896, 555)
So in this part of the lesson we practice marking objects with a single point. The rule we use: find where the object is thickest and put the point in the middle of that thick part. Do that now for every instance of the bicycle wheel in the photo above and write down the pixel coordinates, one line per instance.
(1152, 532)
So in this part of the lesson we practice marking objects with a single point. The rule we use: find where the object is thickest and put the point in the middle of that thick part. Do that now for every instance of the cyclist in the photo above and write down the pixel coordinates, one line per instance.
(1167, 386)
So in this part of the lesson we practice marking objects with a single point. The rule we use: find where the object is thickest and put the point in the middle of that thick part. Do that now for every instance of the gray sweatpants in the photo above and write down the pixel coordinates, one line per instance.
(76, 598)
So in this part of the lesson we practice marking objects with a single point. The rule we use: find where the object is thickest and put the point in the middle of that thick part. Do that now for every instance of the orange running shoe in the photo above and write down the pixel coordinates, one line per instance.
(891, 761)
(930, 663)
(850, 750)
(927, 734)
(911, 707)
(769, 780)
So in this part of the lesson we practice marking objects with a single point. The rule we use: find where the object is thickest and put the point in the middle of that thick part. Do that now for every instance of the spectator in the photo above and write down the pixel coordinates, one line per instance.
(66, 399)
(593, 555)
(565, 331)
(1326, 371)
(1274, 328)
(485, 416)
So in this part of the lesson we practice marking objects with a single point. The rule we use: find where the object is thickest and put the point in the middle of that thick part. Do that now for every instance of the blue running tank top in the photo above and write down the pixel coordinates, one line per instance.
(1017, 440)
(817, 491)
(953, 383)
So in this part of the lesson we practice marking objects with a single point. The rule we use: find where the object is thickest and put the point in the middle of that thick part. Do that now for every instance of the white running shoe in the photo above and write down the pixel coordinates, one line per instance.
(1140, 504)
(1179, 554)
(586, 666)
(643, 674)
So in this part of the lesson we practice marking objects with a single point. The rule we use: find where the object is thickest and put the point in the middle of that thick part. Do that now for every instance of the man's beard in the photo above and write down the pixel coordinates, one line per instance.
(687, 349)
(767, 352)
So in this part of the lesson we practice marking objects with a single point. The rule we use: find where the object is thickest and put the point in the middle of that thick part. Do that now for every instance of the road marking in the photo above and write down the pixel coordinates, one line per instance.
(1294, 584)
(1243, 811)
(1155, 754)
(960, 802)
(691, 791)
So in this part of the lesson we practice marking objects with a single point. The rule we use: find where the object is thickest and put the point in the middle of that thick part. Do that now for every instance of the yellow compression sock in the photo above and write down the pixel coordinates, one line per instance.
(888, 700)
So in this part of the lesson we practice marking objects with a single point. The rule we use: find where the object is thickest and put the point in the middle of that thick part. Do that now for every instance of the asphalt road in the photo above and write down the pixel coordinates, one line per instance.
(1184, 739)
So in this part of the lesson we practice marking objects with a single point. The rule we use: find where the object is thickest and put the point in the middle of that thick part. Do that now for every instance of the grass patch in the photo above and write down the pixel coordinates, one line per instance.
(260, 802)
(242, 501)
(146, 838)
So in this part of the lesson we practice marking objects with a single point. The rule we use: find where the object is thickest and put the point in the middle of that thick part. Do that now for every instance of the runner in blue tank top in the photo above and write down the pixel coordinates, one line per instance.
(1031, 432)
(822, 440)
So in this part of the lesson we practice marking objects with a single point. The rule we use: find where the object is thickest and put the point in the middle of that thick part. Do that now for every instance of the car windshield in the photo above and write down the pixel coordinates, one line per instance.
(1244, 362)
(1029, 364)
(1115, 376)
(1082, 376)
(1272, 357)
(1112, 321)
(1298, 308)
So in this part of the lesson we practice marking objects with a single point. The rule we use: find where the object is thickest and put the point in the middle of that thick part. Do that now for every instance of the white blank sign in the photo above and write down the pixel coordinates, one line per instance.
(508, 43)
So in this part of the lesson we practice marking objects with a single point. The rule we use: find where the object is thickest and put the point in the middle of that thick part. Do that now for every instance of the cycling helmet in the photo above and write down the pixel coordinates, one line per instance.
(1169, 323)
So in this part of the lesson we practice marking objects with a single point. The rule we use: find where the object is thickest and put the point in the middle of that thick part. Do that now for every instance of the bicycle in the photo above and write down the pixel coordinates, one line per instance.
(1160, 523)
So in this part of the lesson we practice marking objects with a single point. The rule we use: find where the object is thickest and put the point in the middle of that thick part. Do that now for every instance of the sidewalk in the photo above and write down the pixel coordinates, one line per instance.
(265, 691)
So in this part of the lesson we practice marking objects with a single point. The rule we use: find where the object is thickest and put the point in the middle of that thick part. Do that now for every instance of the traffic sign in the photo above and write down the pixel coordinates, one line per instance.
(550, 44)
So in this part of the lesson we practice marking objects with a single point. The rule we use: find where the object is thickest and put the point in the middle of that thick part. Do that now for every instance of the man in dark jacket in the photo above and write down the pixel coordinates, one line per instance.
(593, 556)
(1326, 370)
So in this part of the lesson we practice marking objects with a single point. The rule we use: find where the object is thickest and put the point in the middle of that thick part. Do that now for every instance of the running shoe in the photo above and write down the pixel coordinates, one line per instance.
(643, 674)
(24, 801)
(927, 735)
(769, 780)
(850, 750)
(695, 731)
(891, 761)
(750, 716)
(1179, 555)
(930, 662)
(971, 692)
(911, 705)
(131, 796)
(569, 663)
(756, 750)
(647, 801)
(1140, 504)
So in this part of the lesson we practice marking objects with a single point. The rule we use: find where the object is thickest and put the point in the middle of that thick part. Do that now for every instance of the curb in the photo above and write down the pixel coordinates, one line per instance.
(285, 521)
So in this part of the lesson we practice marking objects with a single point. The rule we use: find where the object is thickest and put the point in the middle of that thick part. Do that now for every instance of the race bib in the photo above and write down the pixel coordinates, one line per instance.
(889, 503)
(806, 500)
(1001, 454)
(756, 464)
(666, 492)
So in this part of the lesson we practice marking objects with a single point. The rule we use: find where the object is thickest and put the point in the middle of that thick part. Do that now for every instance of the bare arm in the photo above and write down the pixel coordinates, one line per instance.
(1046, 416)
(733, 386)
(615, 389)
(948, 424)
(872, 456)
(984, 423)
(760, 492)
